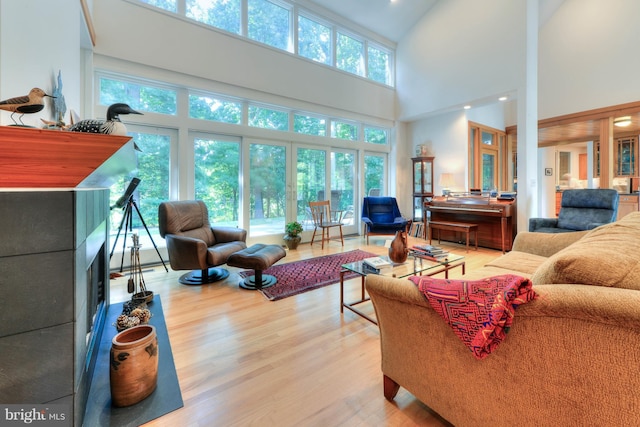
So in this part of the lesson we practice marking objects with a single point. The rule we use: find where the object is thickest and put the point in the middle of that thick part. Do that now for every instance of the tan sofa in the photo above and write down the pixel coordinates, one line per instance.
(571, 358)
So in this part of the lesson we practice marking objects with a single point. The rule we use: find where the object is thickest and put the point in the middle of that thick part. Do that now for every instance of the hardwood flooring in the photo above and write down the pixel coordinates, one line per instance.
(245, 361)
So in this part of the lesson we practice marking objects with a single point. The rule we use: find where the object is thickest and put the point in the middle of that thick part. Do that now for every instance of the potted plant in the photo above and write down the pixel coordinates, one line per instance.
(292, 237)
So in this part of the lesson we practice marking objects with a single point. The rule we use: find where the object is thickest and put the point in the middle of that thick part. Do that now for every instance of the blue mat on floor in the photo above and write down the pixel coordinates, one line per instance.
(165, 398)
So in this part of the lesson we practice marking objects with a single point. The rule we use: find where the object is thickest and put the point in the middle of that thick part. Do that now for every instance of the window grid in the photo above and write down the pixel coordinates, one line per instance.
(361, 67)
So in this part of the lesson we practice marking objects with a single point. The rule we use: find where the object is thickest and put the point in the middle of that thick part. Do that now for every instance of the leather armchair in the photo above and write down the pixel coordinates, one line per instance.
(193, 244)
(583, 209)
(381, 215)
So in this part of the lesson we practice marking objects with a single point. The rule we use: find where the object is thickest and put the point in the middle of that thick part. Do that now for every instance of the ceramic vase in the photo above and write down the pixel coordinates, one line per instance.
(133, 372)
(398, 250)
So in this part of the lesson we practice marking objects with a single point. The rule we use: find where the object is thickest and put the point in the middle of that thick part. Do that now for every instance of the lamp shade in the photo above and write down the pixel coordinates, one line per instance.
(447, 180)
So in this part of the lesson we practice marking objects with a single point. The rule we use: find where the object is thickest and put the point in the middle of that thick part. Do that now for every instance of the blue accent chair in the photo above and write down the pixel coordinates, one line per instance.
(381, 215)
(583, 209)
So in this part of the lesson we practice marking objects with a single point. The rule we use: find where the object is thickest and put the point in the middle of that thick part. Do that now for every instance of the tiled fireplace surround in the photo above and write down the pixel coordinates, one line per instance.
(53, 273)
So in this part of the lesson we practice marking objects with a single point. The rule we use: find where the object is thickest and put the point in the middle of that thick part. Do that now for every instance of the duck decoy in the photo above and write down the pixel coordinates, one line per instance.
(112, 126)
(27, 104)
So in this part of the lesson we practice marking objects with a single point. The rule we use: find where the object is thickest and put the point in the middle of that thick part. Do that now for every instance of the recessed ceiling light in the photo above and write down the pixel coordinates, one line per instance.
(466, 107)
(502, 98)
(622, 122)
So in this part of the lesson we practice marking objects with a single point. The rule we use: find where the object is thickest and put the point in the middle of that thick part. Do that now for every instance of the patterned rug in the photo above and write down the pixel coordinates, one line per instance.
(302, 276)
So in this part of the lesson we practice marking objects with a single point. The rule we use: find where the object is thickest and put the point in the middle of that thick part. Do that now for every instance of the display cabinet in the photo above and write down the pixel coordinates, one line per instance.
(422, 184)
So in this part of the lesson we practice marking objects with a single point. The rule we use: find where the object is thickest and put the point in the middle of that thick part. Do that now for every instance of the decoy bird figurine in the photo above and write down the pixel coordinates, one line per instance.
(27, 104)
(112, 126)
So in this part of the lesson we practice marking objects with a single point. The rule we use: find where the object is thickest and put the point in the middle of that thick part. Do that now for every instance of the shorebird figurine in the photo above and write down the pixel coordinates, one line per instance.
(112, 126)
(27, 104)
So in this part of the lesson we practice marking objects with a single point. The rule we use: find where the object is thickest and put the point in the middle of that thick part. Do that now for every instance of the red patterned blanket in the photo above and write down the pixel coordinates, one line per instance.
(480, 312)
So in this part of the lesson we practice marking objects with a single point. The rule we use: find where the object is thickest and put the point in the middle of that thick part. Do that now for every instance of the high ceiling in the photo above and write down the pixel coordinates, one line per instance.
(390, 19)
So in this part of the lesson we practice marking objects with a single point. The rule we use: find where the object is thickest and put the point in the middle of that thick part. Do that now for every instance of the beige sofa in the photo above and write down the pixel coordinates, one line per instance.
(571, 358)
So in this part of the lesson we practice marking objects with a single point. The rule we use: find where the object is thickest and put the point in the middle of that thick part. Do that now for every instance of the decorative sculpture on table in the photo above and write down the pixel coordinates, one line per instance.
(27, 104)
(398, 251)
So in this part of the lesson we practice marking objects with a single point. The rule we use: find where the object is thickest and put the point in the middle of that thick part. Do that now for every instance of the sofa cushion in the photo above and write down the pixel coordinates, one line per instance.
(605, 256)
(520, 262)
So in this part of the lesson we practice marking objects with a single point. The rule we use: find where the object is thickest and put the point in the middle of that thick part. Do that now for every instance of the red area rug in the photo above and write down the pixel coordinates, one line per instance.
(302, 276)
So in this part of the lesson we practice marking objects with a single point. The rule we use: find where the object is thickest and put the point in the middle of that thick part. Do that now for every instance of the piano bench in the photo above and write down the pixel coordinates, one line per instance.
(454, 226)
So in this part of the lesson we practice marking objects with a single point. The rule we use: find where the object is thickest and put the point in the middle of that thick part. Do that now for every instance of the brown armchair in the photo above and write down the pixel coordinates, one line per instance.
(193, 244)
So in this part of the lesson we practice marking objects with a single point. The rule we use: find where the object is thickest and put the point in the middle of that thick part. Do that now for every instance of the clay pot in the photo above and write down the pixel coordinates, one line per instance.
(134, 365)
(398, 251)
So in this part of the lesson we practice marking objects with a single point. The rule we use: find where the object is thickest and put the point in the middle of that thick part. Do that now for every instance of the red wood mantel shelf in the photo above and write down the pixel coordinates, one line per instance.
(39, 158)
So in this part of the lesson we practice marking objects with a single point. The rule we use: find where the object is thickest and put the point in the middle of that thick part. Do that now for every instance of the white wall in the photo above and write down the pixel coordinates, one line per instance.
(588, 56)
(461, 51)
(38, 38)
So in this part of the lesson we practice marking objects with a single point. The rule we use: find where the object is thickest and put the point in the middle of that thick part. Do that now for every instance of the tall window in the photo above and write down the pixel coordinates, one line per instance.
(378, 65)
(153, 171)
(223, 14)
(217, 168)
(374, 167)
(311, 181)
(314, 40)
(267, 186)
(350, 54)
(269, 23)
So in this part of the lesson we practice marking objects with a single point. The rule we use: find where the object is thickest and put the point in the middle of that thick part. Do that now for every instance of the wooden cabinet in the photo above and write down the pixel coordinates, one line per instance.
(422, 184)
(625, 156)
(628, 203)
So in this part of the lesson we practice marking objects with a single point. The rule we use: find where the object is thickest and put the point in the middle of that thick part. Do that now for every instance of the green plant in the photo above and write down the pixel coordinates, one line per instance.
(293, 228)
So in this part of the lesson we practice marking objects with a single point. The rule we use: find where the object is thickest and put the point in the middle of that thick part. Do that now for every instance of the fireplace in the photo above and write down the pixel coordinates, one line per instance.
(54, 294)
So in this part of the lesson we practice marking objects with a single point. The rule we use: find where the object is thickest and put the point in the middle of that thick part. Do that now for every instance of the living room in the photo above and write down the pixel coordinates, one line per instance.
(580, 62)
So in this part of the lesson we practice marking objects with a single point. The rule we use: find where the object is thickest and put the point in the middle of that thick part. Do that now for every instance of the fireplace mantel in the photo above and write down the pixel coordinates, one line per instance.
(41, 158)
(54, 205)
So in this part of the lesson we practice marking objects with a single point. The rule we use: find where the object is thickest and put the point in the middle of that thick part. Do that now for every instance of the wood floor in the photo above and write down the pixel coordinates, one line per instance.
(245, 361)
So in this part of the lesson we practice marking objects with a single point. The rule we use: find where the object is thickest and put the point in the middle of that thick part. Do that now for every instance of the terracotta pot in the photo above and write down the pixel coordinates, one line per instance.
(134, 365)
(398, 251)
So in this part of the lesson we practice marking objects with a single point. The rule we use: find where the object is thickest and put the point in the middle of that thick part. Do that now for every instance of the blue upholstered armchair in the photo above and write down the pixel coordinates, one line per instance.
(381, 215)
(583, 209)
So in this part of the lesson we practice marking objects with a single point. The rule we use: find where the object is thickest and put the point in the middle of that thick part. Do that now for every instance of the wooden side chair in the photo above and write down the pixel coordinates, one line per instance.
(324, 218)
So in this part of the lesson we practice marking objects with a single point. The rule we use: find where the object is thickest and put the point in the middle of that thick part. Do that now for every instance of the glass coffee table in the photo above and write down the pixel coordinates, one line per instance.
(413, 266)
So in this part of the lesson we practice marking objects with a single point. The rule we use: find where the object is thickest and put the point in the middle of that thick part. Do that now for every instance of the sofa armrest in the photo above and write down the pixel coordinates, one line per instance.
(186, 253)
(544, 244)
(569, 335)
(229, 234)
(537, 223)
(366, 220)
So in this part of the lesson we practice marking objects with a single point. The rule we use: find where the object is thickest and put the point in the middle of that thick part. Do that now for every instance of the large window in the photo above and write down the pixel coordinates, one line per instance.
(267, 187)
(223, 14)
(314, 40)
(268, 118)
(344, 130)
(350, 54)
(217, 168)
(269, 23)
(309, 125)
(139, 97)
(379, 65)
(215, 109)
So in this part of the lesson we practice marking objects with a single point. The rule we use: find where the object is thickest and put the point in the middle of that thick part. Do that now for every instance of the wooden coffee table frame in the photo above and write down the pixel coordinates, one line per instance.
(442, 268)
